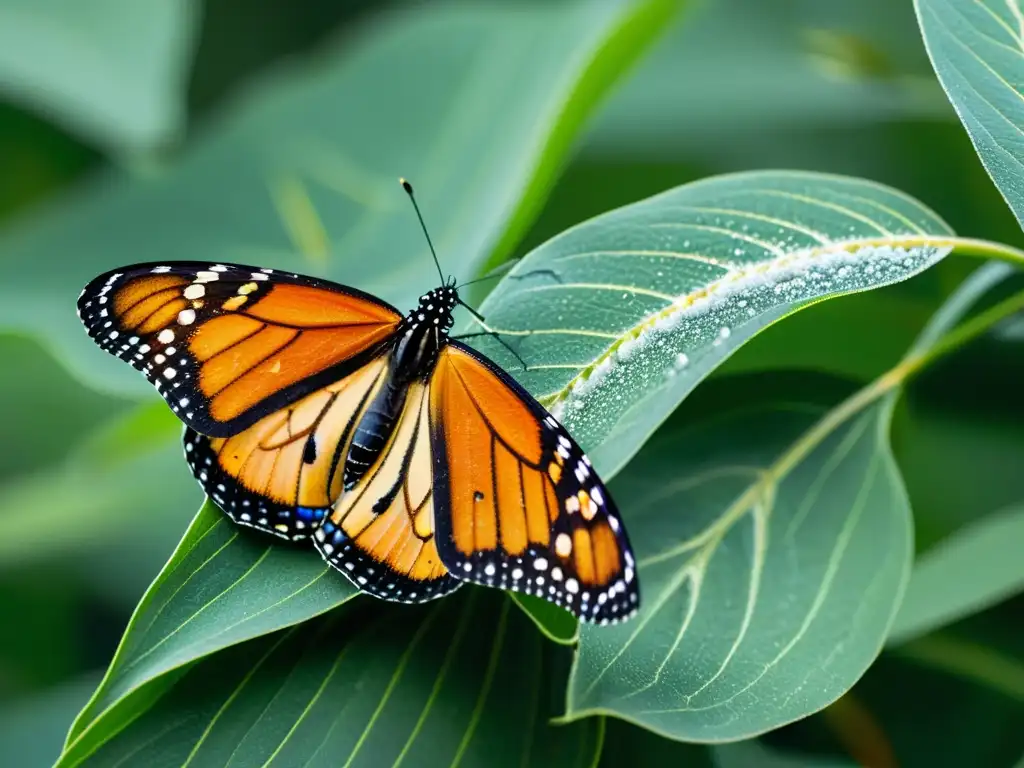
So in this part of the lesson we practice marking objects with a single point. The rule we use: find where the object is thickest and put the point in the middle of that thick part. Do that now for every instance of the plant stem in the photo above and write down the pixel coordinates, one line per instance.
(895, 377)
(958, 337)
(983, 249)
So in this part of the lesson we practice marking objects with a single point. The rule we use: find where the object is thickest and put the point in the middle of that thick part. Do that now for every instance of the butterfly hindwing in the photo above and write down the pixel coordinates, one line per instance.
(381, 533)
(518, 504)
(225, 344)
(282, 474)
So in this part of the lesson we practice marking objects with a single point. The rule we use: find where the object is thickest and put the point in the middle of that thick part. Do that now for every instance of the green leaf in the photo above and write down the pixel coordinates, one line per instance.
(773, 541)
(556, 623)
(302, 174)
(622, 316)
(977, 49)
(464, 681)
(968, 572)
(224, 584)
(774, 558)
(855, 337)
(113, 72)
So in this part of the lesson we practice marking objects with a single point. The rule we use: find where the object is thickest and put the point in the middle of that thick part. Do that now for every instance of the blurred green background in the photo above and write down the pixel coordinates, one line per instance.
(824, 85)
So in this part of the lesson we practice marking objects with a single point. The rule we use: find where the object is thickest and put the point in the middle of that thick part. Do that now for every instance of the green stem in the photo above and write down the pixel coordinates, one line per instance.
(983, 249)
(961, 335)
(895, 377)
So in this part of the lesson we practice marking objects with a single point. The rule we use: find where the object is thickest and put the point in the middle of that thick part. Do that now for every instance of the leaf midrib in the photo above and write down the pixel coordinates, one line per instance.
(682, 301)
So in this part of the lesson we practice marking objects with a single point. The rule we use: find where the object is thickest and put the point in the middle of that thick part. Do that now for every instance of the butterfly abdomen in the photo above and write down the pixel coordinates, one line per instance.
(373, 431)
(419, 340)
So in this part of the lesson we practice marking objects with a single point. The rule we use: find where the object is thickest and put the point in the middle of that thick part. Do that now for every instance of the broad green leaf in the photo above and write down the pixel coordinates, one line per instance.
(113, 72)
(464, 681)
(773, 543)
(856, 337)
(619, 318)
(224, 584)
(475, 103)
(556, 623)
(977, 49)
(968, 572)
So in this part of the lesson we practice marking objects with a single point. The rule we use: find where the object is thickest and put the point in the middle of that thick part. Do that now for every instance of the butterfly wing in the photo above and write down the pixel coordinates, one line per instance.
(227, 345)
(282, 474)
(381, 533)
(518, 504)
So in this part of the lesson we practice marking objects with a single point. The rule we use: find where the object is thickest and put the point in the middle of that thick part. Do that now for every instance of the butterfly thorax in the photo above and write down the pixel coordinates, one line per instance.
(422, 334)
(418, 342)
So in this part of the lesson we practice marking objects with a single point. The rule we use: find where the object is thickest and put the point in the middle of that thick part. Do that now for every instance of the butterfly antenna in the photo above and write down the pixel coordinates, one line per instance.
(498, 271)
(408, 190)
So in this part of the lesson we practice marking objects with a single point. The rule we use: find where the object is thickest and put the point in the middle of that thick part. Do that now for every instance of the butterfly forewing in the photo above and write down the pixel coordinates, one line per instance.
(226, 345)
(519, 506)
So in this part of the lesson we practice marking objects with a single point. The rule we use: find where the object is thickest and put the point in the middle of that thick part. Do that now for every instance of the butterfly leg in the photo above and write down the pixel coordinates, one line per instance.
(496, 335)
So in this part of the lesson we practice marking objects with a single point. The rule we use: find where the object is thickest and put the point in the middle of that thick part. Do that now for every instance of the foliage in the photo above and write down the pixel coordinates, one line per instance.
(802, 386)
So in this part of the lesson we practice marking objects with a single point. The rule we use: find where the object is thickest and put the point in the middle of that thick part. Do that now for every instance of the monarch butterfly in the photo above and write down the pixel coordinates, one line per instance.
(414, 463)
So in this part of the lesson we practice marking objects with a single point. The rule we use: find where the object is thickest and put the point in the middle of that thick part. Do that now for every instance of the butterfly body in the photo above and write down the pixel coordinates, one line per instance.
(413, 354)
(413, 464)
